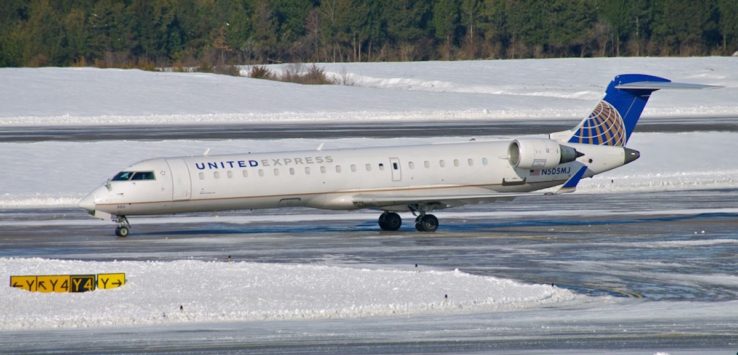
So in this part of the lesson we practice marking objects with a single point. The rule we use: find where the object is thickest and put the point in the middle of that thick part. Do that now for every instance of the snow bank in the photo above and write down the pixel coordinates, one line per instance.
(241, 291)
(418, 91)
(61, 173)
(673, 161)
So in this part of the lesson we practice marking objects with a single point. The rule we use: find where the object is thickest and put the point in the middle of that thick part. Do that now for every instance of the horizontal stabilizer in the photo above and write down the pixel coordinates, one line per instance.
(658, 85)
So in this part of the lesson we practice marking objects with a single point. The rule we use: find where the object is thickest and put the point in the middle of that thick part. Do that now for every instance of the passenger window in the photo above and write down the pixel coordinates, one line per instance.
(245, 173)
(411, 165)
(368, 167)
(338, 169)
(442, 163)
(456, 163)
(484, 161)
(216, 175)
(261, 172)
(201, 175)
(307, 170)
(276, 172)
(381, 166)
(292, 171)
(322, 169)
(353, 168)
(470, 162)
(230, 174)
(123, 176)
(426, 164)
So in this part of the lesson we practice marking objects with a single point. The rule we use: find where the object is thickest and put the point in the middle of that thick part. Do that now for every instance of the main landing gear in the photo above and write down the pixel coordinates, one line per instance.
(426, 223)
(391, 221)
(123, 227)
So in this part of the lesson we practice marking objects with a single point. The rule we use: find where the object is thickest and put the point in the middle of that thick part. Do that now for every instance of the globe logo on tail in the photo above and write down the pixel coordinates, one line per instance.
(604, 126)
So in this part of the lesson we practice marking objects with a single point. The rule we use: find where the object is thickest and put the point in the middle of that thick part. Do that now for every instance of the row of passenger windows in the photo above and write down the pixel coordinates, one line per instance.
(353, 168)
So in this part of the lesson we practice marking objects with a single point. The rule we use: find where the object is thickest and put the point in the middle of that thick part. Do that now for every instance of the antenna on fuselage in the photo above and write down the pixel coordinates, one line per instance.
(320, 147)
(207, 151)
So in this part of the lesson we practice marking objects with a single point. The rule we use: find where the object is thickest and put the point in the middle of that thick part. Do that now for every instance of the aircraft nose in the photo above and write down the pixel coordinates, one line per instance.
(88, 202)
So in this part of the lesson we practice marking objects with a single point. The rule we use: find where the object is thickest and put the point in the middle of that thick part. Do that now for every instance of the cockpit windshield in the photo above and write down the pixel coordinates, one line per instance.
(143, 175)
(123, 176)
(134, 175)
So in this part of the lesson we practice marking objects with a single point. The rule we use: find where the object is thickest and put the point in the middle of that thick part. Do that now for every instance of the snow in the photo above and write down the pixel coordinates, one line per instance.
(58, 174)
(463, 90)
(242, 291)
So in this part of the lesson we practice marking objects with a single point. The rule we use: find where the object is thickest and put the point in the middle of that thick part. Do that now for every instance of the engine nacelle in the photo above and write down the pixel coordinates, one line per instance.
(539, 153)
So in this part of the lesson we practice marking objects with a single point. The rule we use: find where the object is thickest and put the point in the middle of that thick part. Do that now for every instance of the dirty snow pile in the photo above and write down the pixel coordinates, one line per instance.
(242, 291)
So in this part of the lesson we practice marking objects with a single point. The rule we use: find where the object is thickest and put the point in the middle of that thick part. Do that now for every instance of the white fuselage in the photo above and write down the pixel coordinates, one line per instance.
(330, 179)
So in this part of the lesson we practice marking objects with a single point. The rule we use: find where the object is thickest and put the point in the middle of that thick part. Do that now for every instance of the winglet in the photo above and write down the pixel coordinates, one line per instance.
(571, 184)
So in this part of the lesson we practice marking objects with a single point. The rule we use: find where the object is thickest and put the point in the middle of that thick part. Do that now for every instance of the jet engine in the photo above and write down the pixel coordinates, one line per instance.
(536, 153)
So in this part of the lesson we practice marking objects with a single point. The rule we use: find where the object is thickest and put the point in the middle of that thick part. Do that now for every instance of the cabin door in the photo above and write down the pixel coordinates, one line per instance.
(396, 169)
(181, 182)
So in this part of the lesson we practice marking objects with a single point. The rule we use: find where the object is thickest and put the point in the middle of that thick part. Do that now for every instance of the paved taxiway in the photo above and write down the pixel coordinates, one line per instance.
(651, 251)
(334, 130)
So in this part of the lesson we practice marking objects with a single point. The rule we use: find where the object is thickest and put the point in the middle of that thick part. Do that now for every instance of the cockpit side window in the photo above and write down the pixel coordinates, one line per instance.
(143, 175)
(123, 176)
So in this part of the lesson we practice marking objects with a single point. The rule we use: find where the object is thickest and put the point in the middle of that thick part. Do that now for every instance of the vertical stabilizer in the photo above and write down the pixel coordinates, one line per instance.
(615, 117)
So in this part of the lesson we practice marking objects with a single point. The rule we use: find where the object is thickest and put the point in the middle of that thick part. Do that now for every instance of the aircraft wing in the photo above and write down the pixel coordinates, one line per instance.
(439, 201)
(432, 201)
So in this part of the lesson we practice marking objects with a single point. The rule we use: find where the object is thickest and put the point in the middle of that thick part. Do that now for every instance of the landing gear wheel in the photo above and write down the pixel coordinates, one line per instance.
(426, 223)
(122, 231)
(390, 221)
(123, 227)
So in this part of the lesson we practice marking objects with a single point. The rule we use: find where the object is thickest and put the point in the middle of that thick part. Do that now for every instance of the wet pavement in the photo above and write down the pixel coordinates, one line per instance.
(667, 255)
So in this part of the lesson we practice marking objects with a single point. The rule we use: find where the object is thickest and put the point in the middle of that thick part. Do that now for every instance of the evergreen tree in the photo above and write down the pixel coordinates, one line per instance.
(446, 23)
(728, 24)
(209, 33)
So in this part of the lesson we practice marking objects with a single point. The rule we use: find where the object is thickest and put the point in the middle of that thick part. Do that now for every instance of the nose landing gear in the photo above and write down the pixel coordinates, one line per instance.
(123, 227)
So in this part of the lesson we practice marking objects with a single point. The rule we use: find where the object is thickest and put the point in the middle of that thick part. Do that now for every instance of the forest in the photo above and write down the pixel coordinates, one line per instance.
(206, 33)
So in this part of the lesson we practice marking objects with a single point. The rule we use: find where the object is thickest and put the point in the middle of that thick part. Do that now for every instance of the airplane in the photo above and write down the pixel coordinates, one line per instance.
(419, 178)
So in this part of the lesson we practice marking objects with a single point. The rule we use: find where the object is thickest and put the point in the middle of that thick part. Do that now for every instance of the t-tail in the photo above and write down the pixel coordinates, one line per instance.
(614, 118)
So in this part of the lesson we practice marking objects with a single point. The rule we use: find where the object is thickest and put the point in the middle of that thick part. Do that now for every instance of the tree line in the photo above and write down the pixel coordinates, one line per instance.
(150, 33)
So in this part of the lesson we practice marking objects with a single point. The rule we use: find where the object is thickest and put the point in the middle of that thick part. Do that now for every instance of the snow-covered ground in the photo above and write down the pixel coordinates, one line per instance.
(241, 291)
(400, 92)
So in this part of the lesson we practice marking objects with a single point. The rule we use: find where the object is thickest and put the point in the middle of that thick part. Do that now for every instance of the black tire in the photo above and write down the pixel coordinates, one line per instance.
(122, 232)
(390, 221)
(426, 223)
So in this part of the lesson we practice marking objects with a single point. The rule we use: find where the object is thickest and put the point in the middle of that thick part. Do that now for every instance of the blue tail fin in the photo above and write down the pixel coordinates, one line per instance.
(615, 117)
